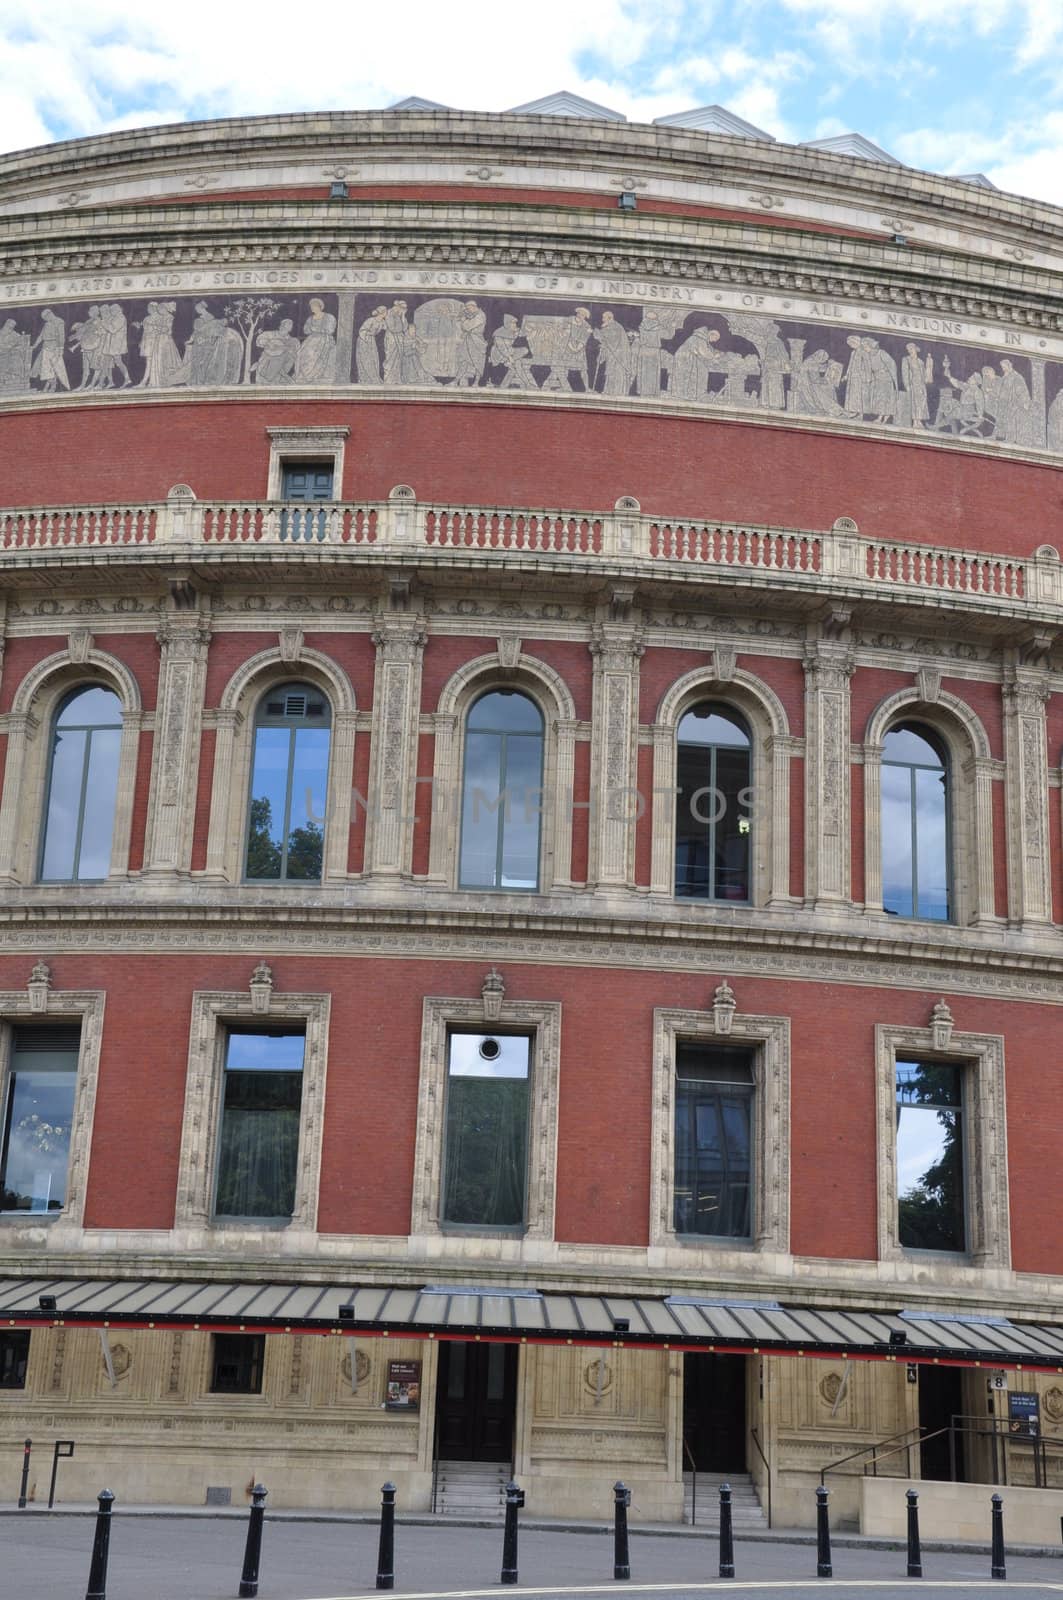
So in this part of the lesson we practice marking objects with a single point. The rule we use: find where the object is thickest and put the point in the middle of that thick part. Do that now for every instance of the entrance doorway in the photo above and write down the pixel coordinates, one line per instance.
(714, 1413)
(940, 1399)
(476, 1401)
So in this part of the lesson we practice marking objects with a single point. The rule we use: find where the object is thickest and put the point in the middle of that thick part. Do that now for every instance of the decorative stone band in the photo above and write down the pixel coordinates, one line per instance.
(817, 365)
(834, 561)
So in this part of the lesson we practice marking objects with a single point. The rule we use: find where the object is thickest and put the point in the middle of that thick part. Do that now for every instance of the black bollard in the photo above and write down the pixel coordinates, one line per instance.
(727, 1541)
(101, 1546)
(997, 1569)
(26, 1448)
(915, 1554)
(823, 1562)
(253, 1547)
(385, 1561)
(514, 1501)
(621, 1554)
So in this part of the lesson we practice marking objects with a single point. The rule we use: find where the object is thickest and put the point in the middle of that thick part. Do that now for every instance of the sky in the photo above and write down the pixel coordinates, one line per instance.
(953, 86)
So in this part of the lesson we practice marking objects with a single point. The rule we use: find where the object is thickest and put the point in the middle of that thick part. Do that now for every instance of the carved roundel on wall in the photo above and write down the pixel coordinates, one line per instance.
(362, 1366)
(830, 1388)
(590, 1378)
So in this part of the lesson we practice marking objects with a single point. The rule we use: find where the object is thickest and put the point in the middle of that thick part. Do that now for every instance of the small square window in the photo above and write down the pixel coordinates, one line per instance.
(14, 1356)
(238, 1362)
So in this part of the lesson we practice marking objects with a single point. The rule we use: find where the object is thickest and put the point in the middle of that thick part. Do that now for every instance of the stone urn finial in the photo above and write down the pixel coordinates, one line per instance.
(941, 1026)
(494, 992)
(39, 985)
(724, 1006)
(261, 988)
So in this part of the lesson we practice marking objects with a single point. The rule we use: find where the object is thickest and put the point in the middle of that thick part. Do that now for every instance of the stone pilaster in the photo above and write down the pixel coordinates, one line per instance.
(615, 802)
(1026, 693)
(184, 640)
(828, 669)
(399, 641)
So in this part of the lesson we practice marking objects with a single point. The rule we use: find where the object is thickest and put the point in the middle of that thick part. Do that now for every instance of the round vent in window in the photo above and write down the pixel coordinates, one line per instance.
(490, 1049)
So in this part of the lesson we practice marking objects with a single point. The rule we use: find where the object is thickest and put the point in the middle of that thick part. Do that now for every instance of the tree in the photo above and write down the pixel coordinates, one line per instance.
(263, 853)
(306, 853)
(248, 314)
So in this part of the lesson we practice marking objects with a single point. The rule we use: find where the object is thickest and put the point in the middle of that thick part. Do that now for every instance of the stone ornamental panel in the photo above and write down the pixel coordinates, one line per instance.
(901, 372)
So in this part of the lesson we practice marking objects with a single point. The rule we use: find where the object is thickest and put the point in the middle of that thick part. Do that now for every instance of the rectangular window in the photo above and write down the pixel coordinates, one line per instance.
(238, 1362)
(713, 1141)
(486, 1154)
(39, 1112)
(930, 1159)
(14, 1356)
(258, 1144)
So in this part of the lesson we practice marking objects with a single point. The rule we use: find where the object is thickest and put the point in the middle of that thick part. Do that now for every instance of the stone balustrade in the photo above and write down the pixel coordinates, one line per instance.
(837, 560)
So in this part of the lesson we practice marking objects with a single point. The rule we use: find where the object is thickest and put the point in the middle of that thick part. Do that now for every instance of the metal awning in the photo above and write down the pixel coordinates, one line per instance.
(679, 1322)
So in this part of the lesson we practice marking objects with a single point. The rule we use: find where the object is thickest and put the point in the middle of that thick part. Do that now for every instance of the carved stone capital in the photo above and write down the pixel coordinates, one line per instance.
(39, 986)
(493, 992)
(261, 988)
(616, 648)
(828, 665)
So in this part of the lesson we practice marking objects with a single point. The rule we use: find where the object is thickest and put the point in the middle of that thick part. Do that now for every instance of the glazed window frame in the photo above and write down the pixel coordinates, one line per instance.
(261, 720)
(502, 811)
(743, 1089)
(83, 1009)
(248, 1352)
(13, 1365)
(987, 1207)
(930, 736)
(715, 707)
(540, 1022)
(767, 1041)
(267, 1028)
(213, 1015)
(449, 1224)
(89, 730)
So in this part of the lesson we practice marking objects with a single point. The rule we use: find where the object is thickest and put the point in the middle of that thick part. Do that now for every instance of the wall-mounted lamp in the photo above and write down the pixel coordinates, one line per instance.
(621, 1325)
(898, 1336)
(339, 190)
(346, 1313)
(628, 201)
(47, 1302)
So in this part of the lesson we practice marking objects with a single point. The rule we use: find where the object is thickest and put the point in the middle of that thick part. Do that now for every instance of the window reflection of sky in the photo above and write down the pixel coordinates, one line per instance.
(914, 816)
(467, 1062)
(264, 1052)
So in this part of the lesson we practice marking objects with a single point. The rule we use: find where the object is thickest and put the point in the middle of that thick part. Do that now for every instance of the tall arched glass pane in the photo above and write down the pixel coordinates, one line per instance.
(712, 819)
(82, 786)
(289, 781)
(915, 824)
(501, 801)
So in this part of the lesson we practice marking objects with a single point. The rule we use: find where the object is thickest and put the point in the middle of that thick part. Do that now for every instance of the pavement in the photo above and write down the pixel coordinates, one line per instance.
(200, 1556)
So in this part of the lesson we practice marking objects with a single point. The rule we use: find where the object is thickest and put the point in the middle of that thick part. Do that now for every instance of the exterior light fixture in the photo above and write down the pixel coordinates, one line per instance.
(628, 201)
(898, 1336)
(621, 1325)
(346, 1313)
(47, 1302)
(339, 190)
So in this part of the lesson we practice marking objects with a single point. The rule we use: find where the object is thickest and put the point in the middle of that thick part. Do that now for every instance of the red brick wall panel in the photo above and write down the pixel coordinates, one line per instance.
(569, 456)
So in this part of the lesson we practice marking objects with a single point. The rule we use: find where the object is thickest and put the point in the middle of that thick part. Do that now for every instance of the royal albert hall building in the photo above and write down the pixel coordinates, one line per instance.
(530, 834)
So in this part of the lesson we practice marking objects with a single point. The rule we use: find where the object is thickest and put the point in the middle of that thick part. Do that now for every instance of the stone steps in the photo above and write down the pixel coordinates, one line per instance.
(747, 1514)
(471, 1489)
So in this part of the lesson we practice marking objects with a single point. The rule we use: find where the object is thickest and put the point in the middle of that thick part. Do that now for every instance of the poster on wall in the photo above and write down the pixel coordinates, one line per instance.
(1024, 1414)
(404, 1386)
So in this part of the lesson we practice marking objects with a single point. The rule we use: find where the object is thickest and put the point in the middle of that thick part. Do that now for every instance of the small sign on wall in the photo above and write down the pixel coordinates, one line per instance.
(1024, 1414)
(998, 1381)
(404, 1386)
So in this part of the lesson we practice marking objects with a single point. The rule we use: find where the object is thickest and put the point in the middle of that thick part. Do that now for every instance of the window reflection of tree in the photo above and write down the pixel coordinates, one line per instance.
(931, 1208)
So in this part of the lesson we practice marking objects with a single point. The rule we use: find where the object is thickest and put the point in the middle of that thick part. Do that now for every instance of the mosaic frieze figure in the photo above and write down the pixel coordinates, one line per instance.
(742, 361)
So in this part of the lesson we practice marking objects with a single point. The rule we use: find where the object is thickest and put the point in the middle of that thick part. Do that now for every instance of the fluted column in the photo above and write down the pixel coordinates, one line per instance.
(399, 641)
(184, 640)
(828, 669)
(1026, 694)
(615, 802)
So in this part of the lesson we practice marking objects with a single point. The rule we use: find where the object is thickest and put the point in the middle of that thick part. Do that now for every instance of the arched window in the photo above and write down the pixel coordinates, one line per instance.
(501, 797)
(713, 805)
(82, 786)
(915, 823)
(289, 775)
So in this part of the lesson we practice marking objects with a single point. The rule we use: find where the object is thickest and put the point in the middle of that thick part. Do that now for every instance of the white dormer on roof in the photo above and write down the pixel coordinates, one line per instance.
(564, 104)
(713, 119)
(413, 102)
(852, 144)
(979, 179)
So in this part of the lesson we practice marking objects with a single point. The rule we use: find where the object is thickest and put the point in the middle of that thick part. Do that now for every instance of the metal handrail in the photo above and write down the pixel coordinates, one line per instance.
(871, 1449)
(767, 1469)
(693, 1484)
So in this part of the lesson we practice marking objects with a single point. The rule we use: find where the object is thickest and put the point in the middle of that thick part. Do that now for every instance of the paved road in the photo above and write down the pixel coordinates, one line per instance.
(165, 1558)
